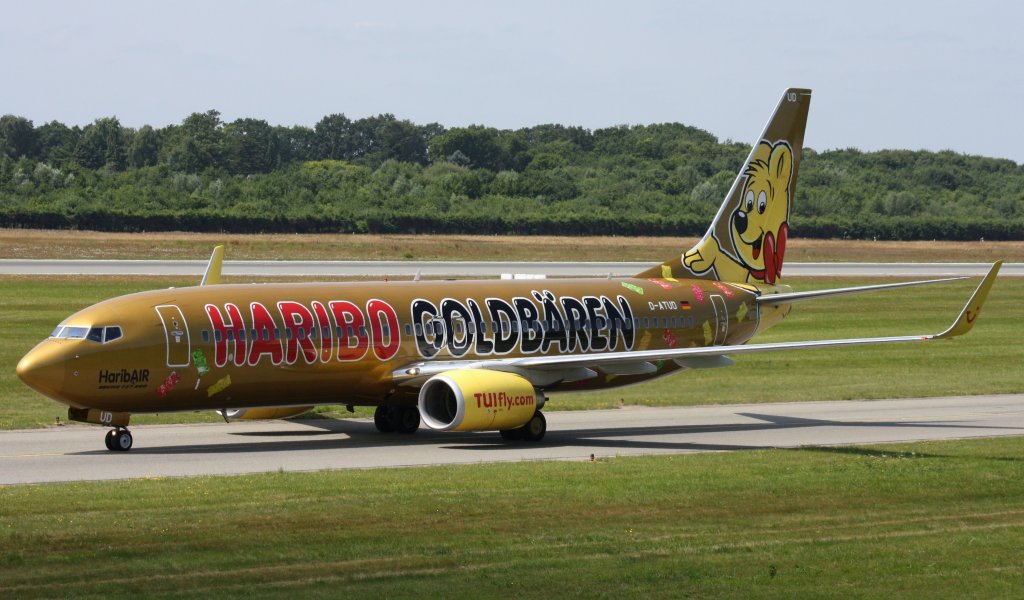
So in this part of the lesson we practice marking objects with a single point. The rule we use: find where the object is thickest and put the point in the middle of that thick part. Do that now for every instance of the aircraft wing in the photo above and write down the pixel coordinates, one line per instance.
(569, 367)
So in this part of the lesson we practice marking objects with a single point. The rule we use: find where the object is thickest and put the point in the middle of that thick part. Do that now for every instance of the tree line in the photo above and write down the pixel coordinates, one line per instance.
(382, 174)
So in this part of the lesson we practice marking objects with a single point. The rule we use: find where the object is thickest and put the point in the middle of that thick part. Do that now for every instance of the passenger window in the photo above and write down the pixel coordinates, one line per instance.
(206, 336)
(408, 329)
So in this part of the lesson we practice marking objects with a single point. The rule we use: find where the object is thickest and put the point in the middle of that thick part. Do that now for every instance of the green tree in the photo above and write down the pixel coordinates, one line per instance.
(197, 144)
(18, 138)
(250, 146)
(103, 144)
(57, 142)
(144, 148)
(334, 138)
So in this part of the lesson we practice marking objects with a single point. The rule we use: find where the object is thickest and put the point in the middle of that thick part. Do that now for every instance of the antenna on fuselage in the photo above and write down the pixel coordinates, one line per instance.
(212, 275)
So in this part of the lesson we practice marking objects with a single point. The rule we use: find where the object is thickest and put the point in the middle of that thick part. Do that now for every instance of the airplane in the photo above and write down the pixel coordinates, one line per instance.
(457, 355)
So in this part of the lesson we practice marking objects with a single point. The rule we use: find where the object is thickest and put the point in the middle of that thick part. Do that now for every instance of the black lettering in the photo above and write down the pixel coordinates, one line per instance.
(597, 341)
(502, 318)
(484, 344)
(459, 342)
(529, 318)
(423, 312)
(575, 315)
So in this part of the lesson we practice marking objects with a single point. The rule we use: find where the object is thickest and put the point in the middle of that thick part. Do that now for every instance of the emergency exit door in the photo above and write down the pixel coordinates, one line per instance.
(179, 347)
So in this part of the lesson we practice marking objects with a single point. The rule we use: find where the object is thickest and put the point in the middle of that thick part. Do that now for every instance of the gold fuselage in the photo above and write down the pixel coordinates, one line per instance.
(251, 345)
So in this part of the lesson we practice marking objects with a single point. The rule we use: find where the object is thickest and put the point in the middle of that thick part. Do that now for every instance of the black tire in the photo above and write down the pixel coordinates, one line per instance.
(406, 419)
(535, 428)
(109, 439)
(123, 440)
(382, 419)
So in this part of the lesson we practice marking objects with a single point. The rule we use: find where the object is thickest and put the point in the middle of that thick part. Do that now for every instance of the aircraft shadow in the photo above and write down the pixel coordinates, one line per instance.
(362, 434)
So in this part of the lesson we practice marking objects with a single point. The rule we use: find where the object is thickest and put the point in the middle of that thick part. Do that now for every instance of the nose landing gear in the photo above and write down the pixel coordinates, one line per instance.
(118, 440)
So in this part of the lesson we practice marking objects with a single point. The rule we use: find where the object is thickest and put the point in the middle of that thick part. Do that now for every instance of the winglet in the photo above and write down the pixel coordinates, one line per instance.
(972, 309)
(212, 275)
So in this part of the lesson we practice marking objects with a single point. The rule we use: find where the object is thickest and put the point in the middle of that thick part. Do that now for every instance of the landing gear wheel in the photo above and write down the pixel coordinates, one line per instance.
(382, 419)
(406, 419)
(535, 428)
(118, 440)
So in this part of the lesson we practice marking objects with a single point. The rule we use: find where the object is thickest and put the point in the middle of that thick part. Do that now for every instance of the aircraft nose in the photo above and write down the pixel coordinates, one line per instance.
(42, 369)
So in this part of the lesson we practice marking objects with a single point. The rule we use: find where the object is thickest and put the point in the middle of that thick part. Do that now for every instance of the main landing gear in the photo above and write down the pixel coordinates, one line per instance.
(119, 439)
(403, 419)
(532, 431)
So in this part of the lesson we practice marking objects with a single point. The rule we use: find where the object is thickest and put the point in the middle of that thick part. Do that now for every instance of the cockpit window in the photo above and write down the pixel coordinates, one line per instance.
(73, 333)
(100, 335)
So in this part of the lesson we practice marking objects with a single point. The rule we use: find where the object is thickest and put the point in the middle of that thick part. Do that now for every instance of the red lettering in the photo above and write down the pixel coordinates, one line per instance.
(323, 323)
(298, 323)
(266, 340)
(237, 332)
(384, 325)
(349, 319)
(220, 335)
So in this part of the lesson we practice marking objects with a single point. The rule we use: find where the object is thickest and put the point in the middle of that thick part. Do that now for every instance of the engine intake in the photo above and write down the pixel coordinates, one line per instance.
(477, 400)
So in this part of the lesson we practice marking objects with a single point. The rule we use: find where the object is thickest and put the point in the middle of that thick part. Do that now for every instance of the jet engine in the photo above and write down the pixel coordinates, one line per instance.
(258, 414)
(478, 400)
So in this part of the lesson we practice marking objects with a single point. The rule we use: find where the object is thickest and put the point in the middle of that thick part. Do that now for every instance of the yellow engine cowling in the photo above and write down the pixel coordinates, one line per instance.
(477, 400)
(258, 414)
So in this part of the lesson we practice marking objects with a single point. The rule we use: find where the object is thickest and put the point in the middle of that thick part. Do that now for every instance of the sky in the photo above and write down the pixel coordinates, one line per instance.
(936, 75)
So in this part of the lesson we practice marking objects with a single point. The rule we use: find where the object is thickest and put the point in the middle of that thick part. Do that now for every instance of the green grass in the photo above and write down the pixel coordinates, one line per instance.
(988, 360)
(938, 519)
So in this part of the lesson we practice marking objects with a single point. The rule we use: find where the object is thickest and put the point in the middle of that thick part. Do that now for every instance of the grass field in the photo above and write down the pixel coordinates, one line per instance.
(20, 243)
(986, 361)
(927, 520)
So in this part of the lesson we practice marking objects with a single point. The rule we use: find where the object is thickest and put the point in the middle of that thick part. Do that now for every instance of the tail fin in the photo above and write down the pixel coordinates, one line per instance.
(747, 240)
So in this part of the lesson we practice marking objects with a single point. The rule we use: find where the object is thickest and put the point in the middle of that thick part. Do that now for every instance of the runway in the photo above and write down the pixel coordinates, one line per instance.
(271, 268)
(76, 453)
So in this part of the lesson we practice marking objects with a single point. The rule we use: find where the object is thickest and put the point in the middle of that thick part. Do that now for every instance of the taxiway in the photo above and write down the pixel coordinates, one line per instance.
(76, 452)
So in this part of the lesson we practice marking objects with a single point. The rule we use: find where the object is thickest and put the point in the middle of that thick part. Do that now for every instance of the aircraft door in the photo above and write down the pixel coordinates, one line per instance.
(179, 346)
(721, 319)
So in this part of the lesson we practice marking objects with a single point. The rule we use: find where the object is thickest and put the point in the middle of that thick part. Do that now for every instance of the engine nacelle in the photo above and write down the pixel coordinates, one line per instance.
(259, 414)
(477, 400)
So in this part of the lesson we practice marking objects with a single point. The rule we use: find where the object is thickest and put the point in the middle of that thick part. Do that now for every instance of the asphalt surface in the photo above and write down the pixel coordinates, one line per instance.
(77, 453)
(271, 268)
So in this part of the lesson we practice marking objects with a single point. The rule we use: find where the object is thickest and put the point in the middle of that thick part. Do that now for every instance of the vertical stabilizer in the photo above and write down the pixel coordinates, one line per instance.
(746, 242)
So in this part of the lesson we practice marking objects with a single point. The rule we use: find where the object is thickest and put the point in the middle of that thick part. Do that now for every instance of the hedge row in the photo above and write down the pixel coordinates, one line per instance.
(887, 228)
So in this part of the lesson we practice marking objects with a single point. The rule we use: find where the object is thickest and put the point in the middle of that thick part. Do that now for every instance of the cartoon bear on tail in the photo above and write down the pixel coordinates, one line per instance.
(757, 228)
